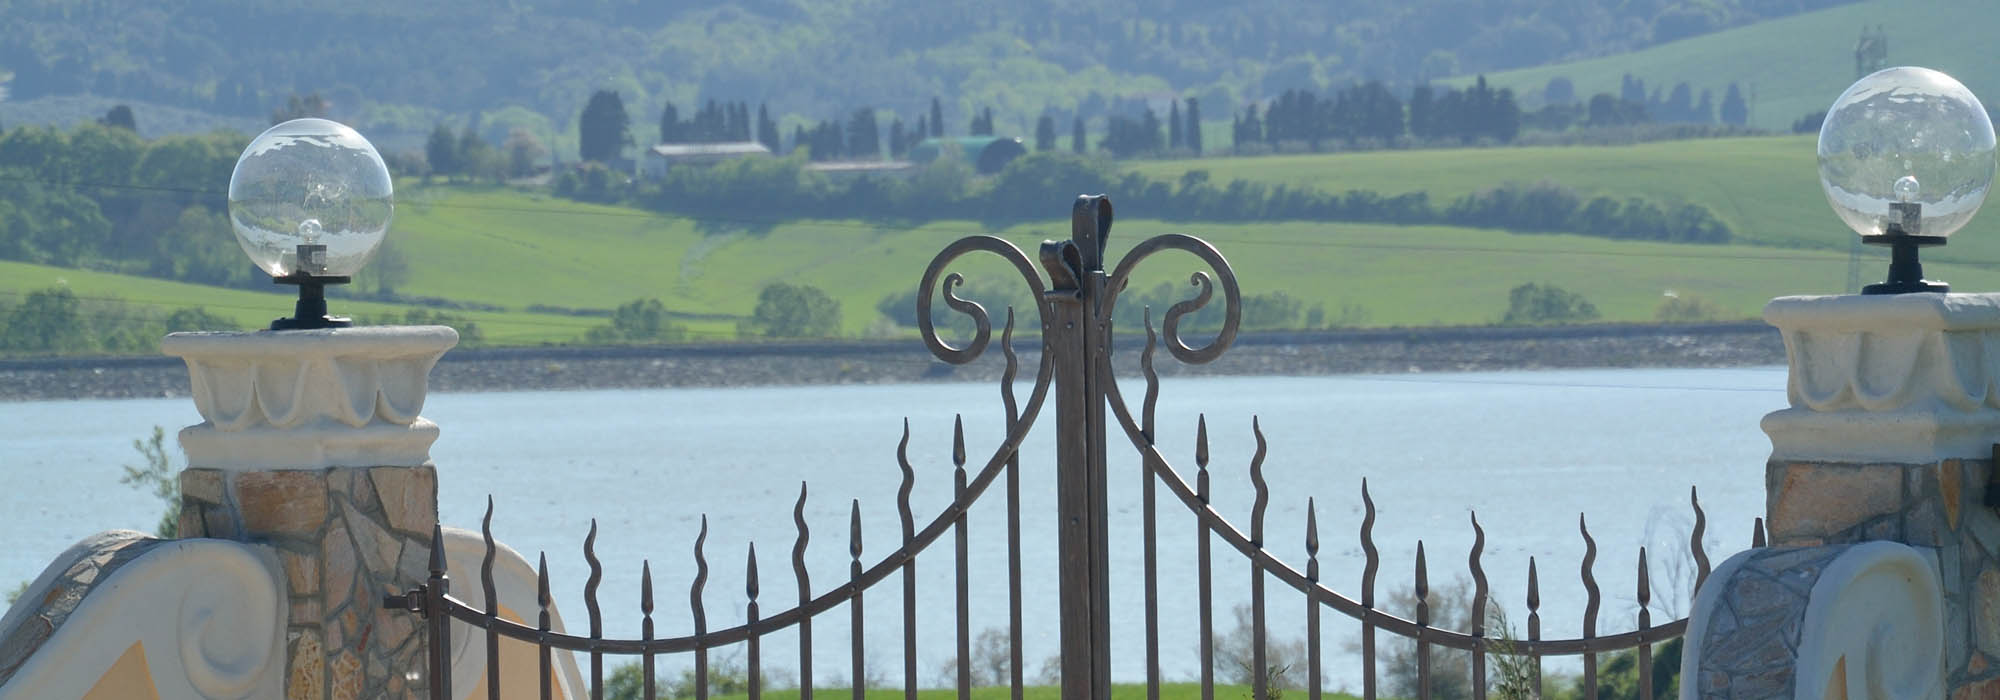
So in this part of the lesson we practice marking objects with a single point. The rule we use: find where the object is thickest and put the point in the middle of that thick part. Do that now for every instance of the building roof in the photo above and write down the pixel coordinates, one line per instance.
(710, 150)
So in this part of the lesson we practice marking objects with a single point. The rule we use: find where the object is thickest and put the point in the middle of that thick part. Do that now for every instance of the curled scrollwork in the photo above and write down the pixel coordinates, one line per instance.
(929, 288)
(1232, 298)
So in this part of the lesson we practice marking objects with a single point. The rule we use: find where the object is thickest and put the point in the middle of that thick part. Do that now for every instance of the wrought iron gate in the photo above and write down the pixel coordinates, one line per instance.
(1075, 307)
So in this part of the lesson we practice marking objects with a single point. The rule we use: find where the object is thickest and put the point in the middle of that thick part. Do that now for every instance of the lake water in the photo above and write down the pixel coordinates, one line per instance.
(1529, 451)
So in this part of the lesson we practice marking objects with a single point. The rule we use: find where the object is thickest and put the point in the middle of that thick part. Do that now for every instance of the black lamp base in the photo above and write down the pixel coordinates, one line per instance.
(1906, 273)
(310, 312)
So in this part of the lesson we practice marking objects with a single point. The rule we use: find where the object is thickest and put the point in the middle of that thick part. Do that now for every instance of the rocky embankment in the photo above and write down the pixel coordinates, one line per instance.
(1320, 352)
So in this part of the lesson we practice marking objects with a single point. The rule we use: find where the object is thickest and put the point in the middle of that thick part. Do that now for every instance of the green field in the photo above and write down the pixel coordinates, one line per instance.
(1766, 188)
(256, 309)
(512, 249)
(1792, 66)
(1401, 275)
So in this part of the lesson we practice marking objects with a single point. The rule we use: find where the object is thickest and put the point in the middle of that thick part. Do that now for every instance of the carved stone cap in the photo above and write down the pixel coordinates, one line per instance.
(340, 397)
(1907, 378)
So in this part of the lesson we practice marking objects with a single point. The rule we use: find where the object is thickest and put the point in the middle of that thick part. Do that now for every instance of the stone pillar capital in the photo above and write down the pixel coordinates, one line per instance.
(1905, 378)
(339, 397)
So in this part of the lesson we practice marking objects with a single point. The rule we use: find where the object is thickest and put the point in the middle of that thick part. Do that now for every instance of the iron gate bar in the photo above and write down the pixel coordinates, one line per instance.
(805, 593)
(596, 615)
(1589, 608)
(1150, 528)
(696, 609)
(1014, 627)
(910, 565)
(1478, 621)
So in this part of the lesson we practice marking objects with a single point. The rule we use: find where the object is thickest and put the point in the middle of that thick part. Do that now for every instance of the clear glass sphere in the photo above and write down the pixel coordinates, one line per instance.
(310, 182)
(1906, 135)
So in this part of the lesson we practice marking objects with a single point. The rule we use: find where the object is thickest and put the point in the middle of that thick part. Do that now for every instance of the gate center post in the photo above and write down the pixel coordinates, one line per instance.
(1079, 339)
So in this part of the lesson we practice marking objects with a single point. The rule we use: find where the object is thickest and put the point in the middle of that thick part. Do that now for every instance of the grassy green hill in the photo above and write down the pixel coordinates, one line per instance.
(512, 249)
(1798, 64)
(515, 250)
(1766, 188)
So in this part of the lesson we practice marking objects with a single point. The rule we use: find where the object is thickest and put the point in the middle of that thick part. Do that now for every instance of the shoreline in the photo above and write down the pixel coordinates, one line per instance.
(1375, 351)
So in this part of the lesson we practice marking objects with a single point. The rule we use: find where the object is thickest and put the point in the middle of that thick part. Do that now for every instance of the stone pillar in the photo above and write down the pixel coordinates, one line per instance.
(311, 443)
(1888, 440)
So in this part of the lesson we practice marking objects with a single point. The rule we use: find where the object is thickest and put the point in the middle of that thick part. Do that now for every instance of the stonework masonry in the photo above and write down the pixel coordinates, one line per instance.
(1937, 506)
(346, 536)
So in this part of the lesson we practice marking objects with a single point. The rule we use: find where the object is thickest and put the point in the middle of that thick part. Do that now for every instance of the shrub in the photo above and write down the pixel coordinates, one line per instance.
(1686, 308)
(637, 321)
(1531, 304)
(795, 311)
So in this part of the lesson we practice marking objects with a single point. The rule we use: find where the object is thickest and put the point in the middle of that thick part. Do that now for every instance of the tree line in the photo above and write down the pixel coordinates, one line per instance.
(947, 189)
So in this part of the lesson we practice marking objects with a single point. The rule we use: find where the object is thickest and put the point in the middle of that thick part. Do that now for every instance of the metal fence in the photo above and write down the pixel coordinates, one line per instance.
(1075, 310)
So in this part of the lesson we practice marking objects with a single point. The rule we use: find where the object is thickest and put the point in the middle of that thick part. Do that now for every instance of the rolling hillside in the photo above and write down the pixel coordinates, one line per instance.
(1798, 64)
(513, 250)
(1766, 189)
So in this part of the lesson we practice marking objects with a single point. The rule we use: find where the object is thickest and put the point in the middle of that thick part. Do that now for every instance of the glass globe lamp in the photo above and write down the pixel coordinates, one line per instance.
(310, 201)
(1906, 156)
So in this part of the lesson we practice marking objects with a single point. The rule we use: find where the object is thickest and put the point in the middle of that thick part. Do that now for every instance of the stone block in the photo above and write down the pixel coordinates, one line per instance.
(1986, 611)
(1924, 522)
(306, 610)
(290, 502)
(1821, 500)
(305, 677)
(301, 572)
(378, 547)
(346, 676)
(409, 498)
(414, 566)
(1982, 690)
(337, 567)
(203, 485)
(1951, 480)
(1985, 529)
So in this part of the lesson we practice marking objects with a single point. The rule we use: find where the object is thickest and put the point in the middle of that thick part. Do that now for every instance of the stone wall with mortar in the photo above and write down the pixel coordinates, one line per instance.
(346, 537)
(1936, 506)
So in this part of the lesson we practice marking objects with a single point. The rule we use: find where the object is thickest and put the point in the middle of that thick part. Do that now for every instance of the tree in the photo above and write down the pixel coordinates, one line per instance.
(441, 150)
(670, 125)
(1076, 137)
(1734, 111)
(524, 152)
(120, 117)
(1559, 91)
(639, 320)
(864, 139)
(982, 123)
(157, 476)
(47, 321)
(1546, 303)
(767, 130)
(1174, 125)
(297, 107)
(795, 311)
(1045, 133)
(474, 155)
(898, 139)
(937, 119)
(1193, 126)
(602, 129)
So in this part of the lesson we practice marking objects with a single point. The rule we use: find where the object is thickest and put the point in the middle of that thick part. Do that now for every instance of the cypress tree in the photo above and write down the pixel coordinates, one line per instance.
(1076, 137)
(1193, 126)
